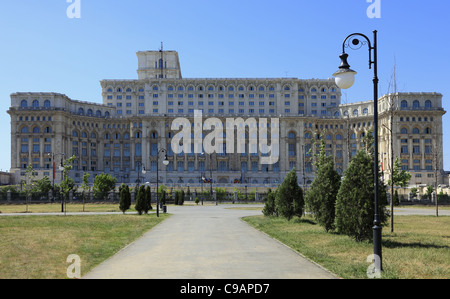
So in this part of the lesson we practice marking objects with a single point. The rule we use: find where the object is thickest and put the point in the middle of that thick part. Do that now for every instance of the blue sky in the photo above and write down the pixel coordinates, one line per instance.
(44, 50)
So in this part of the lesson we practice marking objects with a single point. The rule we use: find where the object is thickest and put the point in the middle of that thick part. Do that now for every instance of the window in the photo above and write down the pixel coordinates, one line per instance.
(404, 131)
(428, 104)
(404, 149)
(35, 104)
(404, 104)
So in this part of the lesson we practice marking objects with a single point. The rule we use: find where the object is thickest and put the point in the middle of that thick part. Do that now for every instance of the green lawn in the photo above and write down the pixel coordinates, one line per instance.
(419, 248)
(37, 247)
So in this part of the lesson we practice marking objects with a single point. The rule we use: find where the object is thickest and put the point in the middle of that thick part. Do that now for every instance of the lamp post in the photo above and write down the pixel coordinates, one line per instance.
(165, 162)
(345, 77)
(54, 174)
(210, 176)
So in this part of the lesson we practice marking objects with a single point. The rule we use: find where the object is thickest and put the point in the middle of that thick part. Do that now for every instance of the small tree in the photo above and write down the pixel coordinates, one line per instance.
(321, 198)
(355, 205)
(103, 183)
(181, 199)
(125, 198)
(148, 200)
(400, 178)
(289, 197)
(28, 184)
(67, 183)
(140, 200)
(85, 185)
(269, 206)
(429, 192)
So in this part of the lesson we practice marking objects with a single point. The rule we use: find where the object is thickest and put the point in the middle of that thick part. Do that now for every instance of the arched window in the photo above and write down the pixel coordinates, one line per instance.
(84, 135)
(355, 112)
(416, 131)
(138, 135)
(74, 133)
(98, 113)
(404, 104)
(90, 112)
(93, 135)
(47, 104)
(106, 114)
(338, 137)
(307, 135)
(416, 104)
(36, 130)
(81, 111)
(366, 111)
(24, 104)
(427, 130)
(48, 130)
(291, 135)
(35, 104)
(428, 104)
(404, 131)
(337, 114)
(154, 135)
(24, 130)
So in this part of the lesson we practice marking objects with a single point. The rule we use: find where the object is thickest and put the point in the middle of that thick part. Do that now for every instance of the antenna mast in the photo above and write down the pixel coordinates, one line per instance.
(161, 65)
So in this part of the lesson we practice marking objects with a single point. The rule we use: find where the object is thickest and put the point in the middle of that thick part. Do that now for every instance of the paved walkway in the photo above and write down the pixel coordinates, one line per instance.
(209, 242)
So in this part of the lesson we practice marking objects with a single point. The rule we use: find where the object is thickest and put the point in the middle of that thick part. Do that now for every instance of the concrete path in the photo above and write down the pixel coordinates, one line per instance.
(209, 242)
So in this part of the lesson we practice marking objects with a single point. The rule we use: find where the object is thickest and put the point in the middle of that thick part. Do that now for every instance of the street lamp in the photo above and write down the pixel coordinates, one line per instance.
(344, 78)
(165, 162)
(52, 155)
(210, 176)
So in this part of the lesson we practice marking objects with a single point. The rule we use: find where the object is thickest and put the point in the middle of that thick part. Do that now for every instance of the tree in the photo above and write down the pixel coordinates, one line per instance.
(43, 186)
(103, 183)
(289, 197)
(140, 200)
(355, 203)
(321, 197)
(269, 206)
(399, 178)
(181, 198)
(28, 184)
(429, 192)
(148, 200)
(125, 198)
(85, 185)
(67, 183)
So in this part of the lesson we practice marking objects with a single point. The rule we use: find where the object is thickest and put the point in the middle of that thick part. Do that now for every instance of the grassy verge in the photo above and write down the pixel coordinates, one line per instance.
(418, 249)
(56, 208)
(37, 247)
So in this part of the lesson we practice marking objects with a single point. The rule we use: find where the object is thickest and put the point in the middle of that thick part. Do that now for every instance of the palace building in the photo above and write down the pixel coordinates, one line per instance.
(124, 134)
